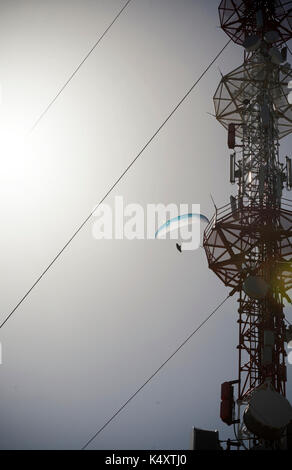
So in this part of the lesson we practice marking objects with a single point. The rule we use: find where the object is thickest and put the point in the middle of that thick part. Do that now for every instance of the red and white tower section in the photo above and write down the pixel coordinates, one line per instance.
(248, 242)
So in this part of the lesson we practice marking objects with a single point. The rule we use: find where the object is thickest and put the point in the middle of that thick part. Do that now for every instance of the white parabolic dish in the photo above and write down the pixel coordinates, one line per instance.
(268, 412)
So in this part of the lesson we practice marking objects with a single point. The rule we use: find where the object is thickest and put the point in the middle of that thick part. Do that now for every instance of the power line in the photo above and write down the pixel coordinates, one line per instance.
(113, 186)
(155, 373)
(78, 68)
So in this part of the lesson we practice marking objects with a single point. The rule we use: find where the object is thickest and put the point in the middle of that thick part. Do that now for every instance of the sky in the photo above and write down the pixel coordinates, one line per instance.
(109, 312)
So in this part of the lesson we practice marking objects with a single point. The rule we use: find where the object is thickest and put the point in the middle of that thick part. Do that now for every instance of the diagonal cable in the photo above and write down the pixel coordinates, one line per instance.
(78, 68)
(155, 373)
(113, 186)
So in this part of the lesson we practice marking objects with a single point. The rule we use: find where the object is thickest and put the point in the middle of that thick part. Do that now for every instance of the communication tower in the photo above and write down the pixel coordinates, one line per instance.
(248, 242)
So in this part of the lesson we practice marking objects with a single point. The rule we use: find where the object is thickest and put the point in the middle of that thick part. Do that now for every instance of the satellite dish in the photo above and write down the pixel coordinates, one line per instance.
(268, 413)
(276, 56)
(255, 287)
(252, 43)
(272, 36)
(284, 54)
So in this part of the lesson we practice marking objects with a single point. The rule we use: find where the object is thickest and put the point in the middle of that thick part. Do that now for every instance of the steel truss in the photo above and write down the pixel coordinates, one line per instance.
(252, 236)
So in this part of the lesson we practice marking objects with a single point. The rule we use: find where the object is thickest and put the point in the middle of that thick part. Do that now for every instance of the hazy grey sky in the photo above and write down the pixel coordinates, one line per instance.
(109, 312)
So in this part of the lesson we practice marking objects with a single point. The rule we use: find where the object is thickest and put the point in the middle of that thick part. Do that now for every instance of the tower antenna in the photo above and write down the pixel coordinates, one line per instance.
(249, 246)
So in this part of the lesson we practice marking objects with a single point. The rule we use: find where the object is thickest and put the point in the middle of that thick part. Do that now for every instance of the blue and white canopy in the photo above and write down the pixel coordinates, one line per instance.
(178, 222)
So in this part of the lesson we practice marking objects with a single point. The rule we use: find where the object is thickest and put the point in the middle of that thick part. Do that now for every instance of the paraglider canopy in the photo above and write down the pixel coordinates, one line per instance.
(177, 223)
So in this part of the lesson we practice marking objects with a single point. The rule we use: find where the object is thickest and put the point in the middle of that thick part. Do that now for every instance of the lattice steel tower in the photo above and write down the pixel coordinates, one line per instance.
(248, 242)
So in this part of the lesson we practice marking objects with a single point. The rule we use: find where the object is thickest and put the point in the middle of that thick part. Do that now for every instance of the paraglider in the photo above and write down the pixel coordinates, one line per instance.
(177, 223)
